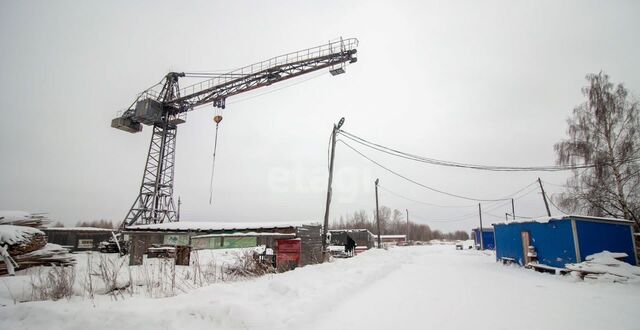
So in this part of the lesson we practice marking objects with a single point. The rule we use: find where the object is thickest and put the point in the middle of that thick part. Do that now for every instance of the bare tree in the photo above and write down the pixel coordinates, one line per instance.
(385, 219)
(604, 131)
(394, 223)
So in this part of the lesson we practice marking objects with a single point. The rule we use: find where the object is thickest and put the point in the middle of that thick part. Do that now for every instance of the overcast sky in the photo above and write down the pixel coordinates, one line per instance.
(478, 82)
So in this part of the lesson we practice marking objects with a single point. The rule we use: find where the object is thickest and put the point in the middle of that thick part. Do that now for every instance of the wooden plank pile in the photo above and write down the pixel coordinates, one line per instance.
(21, 218)
(606, 266)
(311, 244)
(23, 245)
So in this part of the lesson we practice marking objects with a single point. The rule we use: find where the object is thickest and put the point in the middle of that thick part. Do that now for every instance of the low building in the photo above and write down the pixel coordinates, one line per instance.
(488, 238)
(557, 241)
(78, 238)
(391, 240)
(362, 237)
(220, 235)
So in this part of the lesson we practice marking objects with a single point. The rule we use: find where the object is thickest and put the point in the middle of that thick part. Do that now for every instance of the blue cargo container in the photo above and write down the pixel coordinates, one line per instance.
(561, 240)
(487, 237)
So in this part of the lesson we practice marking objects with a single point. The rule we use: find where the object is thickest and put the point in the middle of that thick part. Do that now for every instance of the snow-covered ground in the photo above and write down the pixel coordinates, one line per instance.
(416, 287)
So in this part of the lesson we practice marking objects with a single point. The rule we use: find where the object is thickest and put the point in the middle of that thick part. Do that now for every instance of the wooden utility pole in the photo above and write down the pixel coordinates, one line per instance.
(544, 197)
(378, 215)
(325, 227)
(481, 233)
(513, 209)
(179, 204)
(408, 227)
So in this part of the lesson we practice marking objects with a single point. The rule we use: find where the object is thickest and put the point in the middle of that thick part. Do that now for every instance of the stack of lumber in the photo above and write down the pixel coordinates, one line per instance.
(25, 246)
(20, 239)
(51, 254)
(22, 218)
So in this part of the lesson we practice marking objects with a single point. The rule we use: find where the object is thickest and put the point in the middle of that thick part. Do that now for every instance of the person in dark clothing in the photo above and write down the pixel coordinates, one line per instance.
(350, 246)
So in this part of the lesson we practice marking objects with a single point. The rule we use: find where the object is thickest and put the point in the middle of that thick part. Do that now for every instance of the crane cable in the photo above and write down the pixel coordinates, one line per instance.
(217, 119)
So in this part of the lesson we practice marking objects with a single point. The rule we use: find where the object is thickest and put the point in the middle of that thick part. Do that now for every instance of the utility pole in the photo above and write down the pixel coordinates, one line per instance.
(513, 209)
(544, 197)
(378, 215)
(178, 215)
(325, 227)
(481, 233)
(407, 225)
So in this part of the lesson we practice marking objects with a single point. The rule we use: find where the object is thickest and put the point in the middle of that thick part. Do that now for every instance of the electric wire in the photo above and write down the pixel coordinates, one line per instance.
(418, 183)
(433, 161)
(554, 184)
(554, 204)
(421, 202)
(474, 215)
(513, 195)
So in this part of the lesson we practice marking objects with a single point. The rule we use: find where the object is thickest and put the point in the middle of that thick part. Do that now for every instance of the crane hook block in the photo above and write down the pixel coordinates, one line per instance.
(217, 119)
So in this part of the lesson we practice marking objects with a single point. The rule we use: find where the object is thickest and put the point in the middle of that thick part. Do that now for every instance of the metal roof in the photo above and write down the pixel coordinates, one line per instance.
(566, 217)
(217, 226)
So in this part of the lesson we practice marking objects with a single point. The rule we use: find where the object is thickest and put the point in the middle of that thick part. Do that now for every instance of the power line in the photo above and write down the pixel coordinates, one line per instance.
(439, 220)
(453, 206)
(453, 219)
(433, 161)
(418, 183)
(474, 215)
(554, 205)
(554, 184)
(425, 203)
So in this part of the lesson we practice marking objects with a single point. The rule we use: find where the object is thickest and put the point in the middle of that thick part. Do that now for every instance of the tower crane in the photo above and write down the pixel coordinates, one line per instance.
(164, 107)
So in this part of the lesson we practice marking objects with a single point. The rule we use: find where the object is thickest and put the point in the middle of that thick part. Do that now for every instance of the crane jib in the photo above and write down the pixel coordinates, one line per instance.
(164, 107)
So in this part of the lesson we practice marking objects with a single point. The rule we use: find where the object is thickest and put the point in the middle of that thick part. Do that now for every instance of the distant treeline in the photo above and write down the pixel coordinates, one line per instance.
(108, 224)
(394, 222)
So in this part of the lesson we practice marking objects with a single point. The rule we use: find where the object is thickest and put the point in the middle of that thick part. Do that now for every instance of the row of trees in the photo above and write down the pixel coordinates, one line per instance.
(108, 224)
(393, 222)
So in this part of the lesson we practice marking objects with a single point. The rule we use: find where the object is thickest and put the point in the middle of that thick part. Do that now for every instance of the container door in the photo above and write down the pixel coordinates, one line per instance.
(287, 253)
(525, 247)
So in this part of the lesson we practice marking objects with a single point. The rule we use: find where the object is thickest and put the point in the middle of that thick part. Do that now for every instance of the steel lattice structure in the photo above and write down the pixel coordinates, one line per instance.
(166, 108)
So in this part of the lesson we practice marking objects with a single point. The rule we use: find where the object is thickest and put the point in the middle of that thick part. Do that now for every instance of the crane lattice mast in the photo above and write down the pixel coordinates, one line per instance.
(166, 108)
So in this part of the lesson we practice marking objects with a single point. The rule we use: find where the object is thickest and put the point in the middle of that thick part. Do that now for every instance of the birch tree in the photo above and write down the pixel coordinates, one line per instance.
(604, 131)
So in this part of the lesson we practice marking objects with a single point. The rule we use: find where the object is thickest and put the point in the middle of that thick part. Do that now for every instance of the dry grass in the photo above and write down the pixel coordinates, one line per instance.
(248, 265)
(54, 284)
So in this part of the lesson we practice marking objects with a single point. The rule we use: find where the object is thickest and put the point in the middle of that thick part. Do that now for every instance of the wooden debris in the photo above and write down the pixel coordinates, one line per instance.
(24, 247)
(50, 255)
(21, 218)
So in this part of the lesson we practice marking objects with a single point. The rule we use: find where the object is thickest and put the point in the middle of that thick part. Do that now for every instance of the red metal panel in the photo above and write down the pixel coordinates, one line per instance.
(287, 253)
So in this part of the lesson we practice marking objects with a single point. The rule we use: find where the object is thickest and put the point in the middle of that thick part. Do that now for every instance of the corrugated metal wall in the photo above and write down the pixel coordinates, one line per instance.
(553, 242)
(596, 237)
(488, 238)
